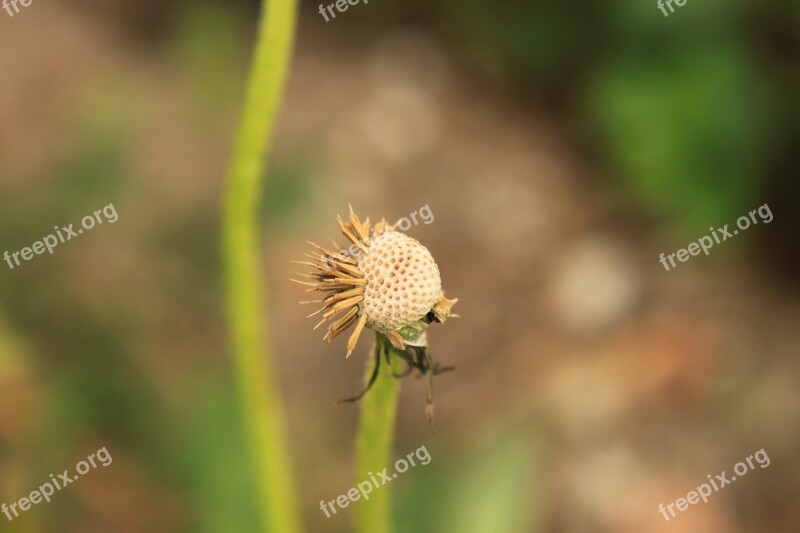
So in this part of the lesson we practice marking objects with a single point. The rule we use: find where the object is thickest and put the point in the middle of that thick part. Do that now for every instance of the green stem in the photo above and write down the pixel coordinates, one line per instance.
(375, 436)
(257, 383)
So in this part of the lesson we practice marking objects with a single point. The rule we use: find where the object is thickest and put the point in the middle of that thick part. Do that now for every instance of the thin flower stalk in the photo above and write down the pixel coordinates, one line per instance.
(256, 380)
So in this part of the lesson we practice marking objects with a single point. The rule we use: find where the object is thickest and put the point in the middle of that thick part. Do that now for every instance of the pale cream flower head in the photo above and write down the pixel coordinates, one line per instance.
(392, 286)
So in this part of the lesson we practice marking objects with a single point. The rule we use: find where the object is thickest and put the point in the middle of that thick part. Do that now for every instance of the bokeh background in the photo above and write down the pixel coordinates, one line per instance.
(562, 146)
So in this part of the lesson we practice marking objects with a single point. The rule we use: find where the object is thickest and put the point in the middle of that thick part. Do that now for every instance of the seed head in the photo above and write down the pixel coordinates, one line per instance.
(403, 282)
(393, 286)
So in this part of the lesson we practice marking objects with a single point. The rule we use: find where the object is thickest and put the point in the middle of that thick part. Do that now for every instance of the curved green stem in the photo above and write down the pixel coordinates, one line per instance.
(375, 436)
(259, 395)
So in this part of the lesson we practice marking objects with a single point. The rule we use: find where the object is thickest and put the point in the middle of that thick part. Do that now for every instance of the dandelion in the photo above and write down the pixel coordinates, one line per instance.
(390, 283)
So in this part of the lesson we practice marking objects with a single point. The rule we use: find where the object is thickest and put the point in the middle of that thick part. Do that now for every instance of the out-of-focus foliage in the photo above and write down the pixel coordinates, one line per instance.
(690, 111)
(208, 42)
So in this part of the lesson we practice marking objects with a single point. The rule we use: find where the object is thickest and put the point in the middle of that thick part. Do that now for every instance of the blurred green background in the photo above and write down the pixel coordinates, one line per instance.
(561, 146)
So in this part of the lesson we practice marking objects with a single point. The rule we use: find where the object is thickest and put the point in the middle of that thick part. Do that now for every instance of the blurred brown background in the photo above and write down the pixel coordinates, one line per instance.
(561, 147)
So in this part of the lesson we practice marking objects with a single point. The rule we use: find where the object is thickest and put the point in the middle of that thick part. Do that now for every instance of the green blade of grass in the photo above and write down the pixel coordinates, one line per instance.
(259, 396)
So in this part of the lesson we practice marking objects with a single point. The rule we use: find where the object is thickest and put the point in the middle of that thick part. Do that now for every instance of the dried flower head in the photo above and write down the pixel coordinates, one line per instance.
(389, 283)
